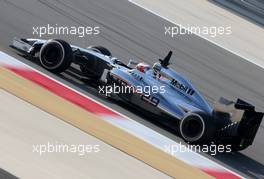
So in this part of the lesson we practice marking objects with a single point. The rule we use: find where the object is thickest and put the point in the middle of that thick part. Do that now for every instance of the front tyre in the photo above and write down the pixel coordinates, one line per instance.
(56, 55)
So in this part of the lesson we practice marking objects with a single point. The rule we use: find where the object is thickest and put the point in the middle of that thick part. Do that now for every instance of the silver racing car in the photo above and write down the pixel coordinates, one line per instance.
(160, 91)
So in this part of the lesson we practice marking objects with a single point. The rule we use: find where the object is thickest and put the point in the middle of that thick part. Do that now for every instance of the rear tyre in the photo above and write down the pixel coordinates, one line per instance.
(101, 50)
(56, 55)
(197, 128)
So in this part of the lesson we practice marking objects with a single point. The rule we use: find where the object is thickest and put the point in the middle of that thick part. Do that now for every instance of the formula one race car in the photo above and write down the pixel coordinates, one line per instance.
(158, 90)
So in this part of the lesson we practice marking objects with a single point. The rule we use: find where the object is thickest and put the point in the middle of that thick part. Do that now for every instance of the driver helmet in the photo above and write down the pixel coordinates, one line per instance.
(143, 67)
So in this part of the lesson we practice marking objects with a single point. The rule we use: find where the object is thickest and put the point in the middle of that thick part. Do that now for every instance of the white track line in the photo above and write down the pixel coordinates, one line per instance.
(199, 35)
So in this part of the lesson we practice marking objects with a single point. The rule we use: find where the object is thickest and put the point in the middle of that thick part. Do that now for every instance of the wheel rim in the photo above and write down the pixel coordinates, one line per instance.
(52, 55)
(192, 127)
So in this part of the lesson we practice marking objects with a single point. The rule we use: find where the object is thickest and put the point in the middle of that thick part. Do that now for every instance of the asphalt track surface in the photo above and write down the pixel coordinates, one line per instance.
(6, 175)
(131, 32)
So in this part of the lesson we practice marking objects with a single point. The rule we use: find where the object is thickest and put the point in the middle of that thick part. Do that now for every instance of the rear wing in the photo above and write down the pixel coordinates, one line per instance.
(244, 122)
(250, 121)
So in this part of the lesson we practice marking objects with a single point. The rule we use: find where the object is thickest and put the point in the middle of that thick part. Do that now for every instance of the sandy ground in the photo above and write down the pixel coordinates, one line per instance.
(23, 127)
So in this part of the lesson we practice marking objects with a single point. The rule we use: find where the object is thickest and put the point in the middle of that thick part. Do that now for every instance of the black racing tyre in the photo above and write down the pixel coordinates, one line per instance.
(197, 128)
(56, 55)
(101, 50)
